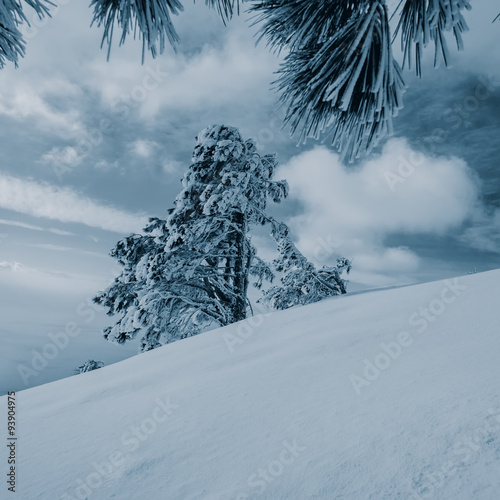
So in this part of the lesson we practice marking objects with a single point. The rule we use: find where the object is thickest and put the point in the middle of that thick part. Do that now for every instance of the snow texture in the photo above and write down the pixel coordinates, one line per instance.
(267, 408)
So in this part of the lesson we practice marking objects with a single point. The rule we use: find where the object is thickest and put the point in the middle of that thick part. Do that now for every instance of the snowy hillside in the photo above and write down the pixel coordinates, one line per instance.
(392, 394)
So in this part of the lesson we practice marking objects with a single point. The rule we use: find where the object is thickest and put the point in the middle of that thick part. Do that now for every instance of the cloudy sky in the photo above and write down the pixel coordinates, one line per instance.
(91, 148)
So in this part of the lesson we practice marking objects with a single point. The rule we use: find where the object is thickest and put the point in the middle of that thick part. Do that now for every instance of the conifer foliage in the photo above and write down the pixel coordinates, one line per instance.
(88, 366)
(152, 19)
(12, 15)
(193, 269)
(301, 283)
(339, 80)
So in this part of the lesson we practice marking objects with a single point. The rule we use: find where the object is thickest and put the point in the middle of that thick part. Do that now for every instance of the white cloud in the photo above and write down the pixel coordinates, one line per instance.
(484, 233)
(24, 103)
(213, 76)
(15, 275)
(143, 148)
(14, 266)
(356, 209)
(478, 42)
(35, 228)
(107, 166)
(63, 157)
(171, 166)
(71, 250)
(221, 74)
(63, 204)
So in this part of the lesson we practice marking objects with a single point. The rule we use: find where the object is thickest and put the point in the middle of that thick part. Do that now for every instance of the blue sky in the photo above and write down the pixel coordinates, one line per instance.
(91, 149)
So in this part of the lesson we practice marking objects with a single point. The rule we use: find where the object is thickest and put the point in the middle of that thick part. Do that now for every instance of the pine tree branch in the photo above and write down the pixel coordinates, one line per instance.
(12, 43)
(152, 18)
(425, 21)
(225, 8)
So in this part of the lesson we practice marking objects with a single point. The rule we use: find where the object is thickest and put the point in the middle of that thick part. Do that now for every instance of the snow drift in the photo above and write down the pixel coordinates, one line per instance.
(391, 394)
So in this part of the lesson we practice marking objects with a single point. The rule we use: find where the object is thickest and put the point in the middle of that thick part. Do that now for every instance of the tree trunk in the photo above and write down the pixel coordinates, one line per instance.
(241, 267)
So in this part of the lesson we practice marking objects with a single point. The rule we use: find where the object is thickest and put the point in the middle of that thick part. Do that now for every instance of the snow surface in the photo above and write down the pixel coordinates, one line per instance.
(427, 426)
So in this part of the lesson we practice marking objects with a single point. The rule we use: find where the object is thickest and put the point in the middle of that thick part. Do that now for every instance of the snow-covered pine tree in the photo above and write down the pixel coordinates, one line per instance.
(123, 297)
(193, 268)
(88, 366)
(225, 194)
(301, 282)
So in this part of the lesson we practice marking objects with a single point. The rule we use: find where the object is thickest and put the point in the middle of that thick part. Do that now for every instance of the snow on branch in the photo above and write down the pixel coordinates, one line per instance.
(12, 44)
(425, 21)
(339, 79)
(151, 17)
(225, 8)
(346, 85)
(192, 270)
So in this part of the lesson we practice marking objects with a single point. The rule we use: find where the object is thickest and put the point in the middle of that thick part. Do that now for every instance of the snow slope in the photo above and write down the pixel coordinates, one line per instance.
(276, 407)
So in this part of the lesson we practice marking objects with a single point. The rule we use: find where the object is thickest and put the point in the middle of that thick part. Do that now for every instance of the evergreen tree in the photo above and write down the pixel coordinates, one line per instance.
(123, 297)
(88, 366)
(193, 269)
(301, 282)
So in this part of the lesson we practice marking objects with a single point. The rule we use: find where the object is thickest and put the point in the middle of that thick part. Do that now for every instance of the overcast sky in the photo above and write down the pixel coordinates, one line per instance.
(92, 148)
